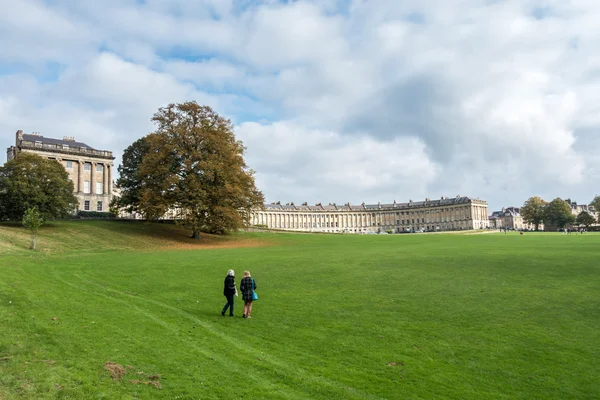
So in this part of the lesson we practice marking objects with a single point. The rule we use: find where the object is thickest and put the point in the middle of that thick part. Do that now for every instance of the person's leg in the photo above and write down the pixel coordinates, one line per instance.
(249, 309)
(245, 308)
(230, 300)
(225, 306)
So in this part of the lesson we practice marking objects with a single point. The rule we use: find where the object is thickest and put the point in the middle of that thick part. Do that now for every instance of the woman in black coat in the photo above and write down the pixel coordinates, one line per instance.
(229, 291)
(247, 287)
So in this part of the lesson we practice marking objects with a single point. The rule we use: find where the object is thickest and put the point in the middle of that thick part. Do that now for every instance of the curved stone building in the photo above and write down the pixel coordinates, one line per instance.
(445, 214)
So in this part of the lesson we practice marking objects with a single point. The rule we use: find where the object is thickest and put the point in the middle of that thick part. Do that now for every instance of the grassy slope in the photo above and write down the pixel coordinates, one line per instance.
(483, 316)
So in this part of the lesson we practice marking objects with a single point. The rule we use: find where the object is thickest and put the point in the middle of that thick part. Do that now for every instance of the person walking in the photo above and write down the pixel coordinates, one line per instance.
(247, 287)
(229, 290)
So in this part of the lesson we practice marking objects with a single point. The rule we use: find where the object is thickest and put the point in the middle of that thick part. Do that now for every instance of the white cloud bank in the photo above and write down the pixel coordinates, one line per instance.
(336, 100)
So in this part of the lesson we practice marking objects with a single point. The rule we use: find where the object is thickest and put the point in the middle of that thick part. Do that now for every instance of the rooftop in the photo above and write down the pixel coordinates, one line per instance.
(444, 201)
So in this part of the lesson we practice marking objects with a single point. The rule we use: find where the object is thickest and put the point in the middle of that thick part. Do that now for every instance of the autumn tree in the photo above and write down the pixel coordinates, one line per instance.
(534, 211)
(30, 181)
(558, 213)
(586, 219)
(130, 182)
(195, 166)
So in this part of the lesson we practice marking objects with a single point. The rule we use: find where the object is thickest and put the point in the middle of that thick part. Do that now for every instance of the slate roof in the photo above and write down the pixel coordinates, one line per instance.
(364, 207)
(58, 142)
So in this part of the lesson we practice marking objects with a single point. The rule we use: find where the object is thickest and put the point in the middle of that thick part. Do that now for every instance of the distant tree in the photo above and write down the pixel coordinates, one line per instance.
(534, 211)
(585, 218)
(195, 166)
(558, 212)
(596, 203)
(32, 221)
(31, 181)
(130, 181)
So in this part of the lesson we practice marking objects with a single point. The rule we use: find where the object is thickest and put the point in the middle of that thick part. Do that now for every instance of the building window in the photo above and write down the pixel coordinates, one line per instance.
(86, 186)
(86, 205)
(99, 207)
(99, 168)
(65, 147)
(87, 166)
(69, 164)
(98, 187)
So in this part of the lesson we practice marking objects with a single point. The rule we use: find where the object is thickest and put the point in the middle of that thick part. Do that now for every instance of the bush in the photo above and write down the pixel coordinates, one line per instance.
(95, 215)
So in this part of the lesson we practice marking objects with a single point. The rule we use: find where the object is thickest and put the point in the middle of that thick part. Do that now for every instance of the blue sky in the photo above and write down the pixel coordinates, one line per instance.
(336, 101)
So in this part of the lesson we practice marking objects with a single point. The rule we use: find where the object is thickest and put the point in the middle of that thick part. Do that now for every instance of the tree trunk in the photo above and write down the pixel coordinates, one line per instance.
(537, 227)
(196, 234)
(32, 245)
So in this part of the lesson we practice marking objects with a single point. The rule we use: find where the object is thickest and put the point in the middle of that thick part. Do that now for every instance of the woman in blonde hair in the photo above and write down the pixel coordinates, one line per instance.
(247, 287)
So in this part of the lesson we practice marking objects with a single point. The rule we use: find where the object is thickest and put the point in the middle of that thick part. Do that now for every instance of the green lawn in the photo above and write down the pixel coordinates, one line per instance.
(488, 316)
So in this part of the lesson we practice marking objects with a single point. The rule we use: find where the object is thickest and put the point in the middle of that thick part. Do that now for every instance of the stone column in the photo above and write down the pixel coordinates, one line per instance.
(109, 180)
(80, 171)
(105, 178)
(92, 177)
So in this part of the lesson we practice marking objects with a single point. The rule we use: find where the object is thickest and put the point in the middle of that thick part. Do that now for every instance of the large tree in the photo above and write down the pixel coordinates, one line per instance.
(558, 213)
(195, 166)
(130, 182)
(30, 181)
(534, 211)
(586, 219)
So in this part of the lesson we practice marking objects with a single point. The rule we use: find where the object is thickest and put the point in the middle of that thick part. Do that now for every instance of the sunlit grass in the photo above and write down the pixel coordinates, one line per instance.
(339, 317)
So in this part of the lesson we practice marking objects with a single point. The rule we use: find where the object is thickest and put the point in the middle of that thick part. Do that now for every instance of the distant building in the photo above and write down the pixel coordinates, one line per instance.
(576, 209)
(90, 170)
(445, 214)
(510, 218)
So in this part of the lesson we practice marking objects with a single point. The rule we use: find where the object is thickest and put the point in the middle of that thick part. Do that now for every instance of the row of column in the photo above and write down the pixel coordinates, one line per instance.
(106, 177)
(307, 221)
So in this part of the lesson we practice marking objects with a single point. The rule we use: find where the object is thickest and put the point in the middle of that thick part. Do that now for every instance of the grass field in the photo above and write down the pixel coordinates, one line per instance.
(339, 317)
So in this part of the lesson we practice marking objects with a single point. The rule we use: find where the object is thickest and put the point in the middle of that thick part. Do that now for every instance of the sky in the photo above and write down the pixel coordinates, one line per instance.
(336, 100)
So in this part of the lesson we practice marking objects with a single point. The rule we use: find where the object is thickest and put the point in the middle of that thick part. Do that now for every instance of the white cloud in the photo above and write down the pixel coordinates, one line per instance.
(362, 101)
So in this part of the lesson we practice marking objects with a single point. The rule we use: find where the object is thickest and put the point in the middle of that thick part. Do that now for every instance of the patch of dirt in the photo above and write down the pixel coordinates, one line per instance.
(116, 370)
(212, 243)
(394, 363)
(156, 384)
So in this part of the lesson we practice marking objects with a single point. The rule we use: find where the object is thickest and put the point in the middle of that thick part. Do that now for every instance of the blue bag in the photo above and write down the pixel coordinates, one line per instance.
(254, 294)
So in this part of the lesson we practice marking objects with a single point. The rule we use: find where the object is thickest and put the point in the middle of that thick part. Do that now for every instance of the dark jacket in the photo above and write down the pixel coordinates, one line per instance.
(229, 286)
(247, 287)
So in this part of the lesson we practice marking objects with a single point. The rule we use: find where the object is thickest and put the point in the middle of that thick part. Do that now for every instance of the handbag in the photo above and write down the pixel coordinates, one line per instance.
(254, 294)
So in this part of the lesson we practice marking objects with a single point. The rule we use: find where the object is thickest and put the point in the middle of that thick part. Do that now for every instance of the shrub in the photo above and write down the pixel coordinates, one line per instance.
(96, 215)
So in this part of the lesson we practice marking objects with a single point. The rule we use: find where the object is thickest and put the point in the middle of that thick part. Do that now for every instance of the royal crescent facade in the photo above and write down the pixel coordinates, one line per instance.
(90, 170)
(445, 214)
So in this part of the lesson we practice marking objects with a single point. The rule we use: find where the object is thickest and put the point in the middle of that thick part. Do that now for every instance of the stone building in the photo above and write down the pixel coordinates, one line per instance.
(90, 170)
(445, 214)
(510, 218)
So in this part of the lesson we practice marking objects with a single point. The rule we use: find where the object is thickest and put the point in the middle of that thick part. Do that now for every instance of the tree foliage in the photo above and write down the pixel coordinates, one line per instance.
(596, 203)
(534, 211)
(585, 218)
(31, 181)
(129, 182)
(32, 221)
(558, 213)
(195, 166)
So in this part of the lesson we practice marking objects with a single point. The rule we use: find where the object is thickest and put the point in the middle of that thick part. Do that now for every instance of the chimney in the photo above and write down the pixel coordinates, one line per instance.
(68, 138)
